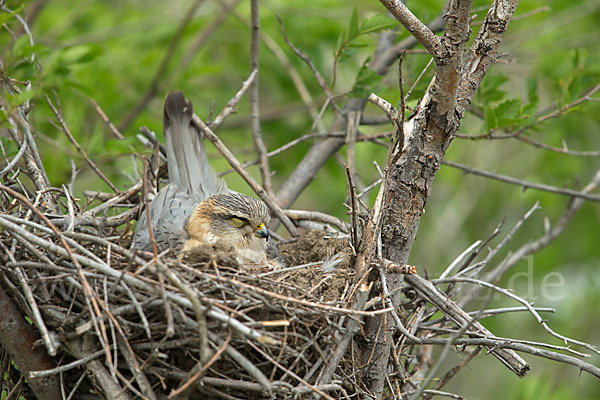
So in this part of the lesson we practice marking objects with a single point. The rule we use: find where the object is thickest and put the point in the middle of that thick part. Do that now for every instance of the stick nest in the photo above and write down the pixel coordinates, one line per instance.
(202, 327)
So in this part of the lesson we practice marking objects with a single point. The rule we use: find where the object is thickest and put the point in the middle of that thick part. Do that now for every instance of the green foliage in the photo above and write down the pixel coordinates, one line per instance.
(349, 42)
(366, 82)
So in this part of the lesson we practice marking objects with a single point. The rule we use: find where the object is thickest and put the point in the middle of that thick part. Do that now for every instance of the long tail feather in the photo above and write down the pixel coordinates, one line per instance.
(189, 169)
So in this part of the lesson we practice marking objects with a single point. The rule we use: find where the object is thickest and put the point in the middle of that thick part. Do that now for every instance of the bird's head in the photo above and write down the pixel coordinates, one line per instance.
(229, 215)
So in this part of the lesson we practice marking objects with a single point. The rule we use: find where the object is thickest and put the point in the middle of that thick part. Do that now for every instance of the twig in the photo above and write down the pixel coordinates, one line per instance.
(106, 120)
(306, 303)
(385, 106)
(452, 372)
(318, 216)
(10, 165)
(458, 259)
(259, 144)
(295, 376)
(547, 238)
(202, 369)
(353, 209)
(524, 184)
(91, 299)
(58, 113)
(525, 303)
(320, 80)
(353, 119)
(214, 124)
(509, 358)
(418, 80)
(498, 343)
(502, 243)
(194, 298)
(561, 150)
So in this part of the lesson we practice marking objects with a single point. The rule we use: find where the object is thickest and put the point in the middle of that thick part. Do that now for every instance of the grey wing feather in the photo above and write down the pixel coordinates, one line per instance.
(191, 178)
(169, 211)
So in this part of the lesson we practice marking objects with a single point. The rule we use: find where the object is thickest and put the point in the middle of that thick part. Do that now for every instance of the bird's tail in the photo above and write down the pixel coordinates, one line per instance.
(188, 164)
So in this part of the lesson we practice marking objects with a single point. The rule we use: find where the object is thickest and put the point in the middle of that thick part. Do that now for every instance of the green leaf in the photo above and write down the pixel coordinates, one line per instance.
(23, 48)
(574, 89)
(576, 59)
(489, 91)
(489, 119)
(509, 112)
(532, 87)
(366, 81)
(376, 23)
(80, 54)
(353, 25)
(21, 98)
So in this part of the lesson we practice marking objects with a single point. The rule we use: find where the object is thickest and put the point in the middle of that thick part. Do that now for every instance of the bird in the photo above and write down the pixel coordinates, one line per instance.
(196, 208)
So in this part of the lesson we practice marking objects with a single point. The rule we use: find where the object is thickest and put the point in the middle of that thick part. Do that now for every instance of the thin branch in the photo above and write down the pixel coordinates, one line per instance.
(58, 114)
(318, 216)
(525, 303)
(524, 184)
(320, 80)
(106, 120)
(432, 294)
(259, 144)
(230, 107)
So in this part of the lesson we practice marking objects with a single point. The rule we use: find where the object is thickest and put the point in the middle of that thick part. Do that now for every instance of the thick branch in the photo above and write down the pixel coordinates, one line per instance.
(17, 338)
(484, 50)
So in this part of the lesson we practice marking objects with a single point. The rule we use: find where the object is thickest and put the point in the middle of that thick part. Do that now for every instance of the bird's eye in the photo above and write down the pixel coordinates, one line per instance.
(237, 222)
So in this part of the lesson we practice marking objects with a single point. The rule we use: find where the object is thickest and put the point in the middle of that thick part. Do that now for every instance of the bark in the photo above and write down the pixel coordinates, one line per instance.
(17, 338)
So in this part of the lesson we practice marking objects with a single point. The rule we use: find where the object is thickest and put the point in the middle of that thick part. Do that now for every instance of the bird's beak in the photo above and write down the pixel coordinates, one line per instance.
(261, 231)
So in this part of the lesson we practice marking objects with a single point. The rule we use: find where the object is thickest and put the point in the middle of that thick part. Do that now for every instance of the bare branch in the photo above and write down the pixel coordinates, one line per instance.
(259, 144)
(524, 184)
(214, 124)
(106, 120)
(58, 114)
(418, 29)
(311, 65)
(18, 337)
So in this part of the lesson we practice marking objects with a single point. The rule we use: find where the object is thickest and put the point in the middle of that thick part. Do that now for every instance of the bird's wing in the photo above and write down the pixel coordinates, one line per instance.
(189, 169)
(169, 211)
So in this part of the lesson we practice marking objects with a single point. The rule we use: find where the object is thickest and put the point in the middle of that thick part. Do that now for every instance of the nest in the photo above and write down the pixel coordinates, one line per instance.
(121, 324)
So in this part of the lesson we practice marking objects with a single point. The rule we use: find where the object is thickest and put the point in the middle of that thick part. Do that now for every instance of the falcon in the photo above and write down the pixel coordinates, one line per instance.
(196, 207)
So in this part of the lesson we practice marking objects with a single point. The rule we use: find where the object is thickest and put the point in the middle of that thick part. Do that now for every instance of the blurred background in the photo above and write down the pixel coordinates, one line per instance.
(125, 55)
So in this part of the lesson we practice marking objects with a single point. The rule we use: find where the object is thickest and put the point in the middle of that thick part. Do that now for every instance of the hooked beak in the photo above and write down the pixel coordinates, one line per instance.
(261, 231)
